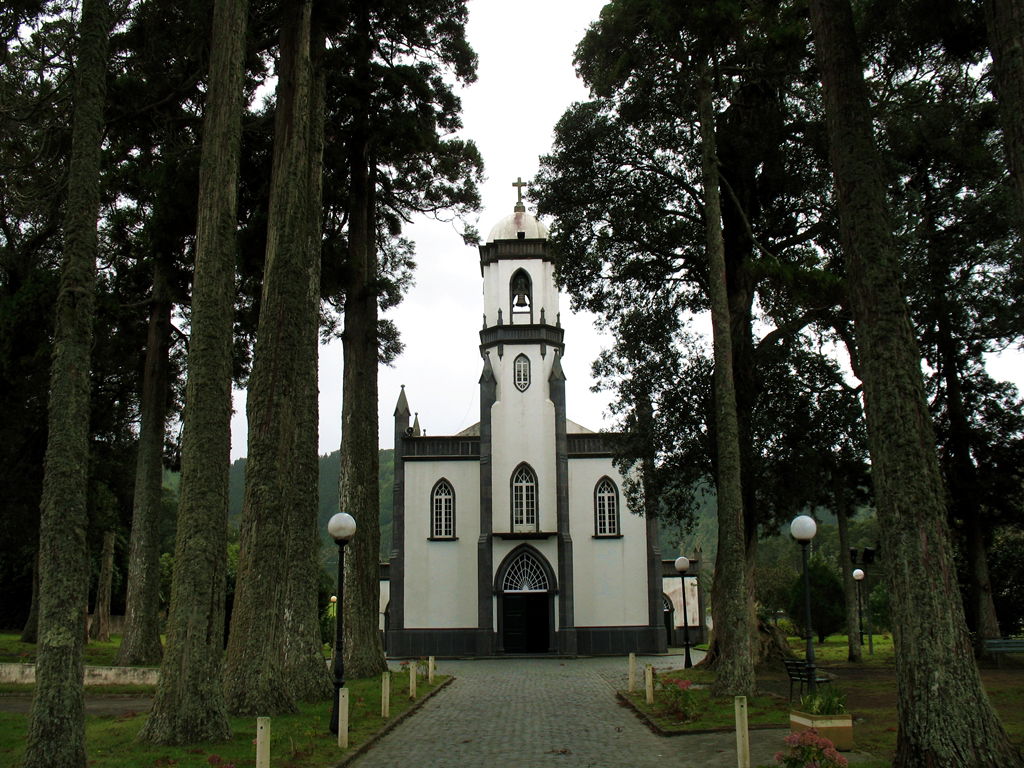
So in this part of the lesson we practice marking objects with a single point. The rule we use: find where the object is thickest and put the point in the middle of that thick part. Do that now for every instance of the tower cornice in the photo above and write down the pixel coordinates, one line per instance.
(522, 334)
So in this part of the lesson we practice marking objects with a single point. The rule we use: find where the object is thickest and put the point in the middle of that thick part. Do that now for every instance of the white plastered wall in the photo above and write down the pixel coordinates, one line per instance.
(671, 586)
(440, 576)
(523, 430)
(609, 574)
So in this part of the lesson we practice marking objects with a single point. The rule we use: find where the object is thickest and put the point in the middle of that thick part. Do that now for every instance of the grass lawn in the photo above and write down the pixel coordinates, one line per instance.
(13, 651)
(300, 740)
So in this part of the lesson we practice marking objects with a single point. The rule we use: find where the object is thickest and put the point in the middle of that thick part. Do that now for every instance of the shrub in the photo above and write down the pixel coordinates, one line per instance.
(826, 700)
(807, 749)
(678, 698)
(828, 606)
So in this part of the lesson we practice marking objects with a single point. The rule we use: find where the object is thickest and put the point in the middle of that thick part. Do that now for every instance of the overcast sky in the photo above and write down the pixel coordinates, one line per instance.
(525, 82)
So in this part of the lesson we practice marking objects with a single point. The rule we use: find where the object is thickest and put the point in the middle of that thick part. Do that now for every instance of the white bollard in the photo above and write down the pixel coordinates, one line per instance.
(343, 718)
(262, 742)
(430, 670)
(649, 683)
(632, 672)
(412, 679)
(385, 694)
(742, 734)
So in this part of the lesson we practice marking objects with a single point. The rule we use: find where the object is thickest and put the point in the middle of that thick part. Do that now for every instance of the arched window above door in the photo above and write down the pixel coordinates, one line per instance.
(525, 574)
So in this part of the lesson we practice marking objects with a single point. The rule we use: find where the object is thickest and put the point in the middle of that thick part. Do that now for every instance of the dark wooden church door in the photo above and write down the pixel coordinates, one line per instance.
(525, 618)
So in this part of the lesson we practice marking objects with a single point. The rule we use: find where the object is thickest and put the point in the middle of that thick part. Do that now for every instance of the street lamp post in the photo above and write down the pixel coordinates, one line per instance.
(342, 528)
(803, 529)
(858, 576)
(867, 557)
(682, 566)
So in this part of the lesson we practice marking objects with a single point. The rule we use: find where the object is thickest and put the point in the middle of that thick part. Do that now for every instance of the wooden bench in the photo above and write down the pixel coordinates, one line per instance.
(799, 673)
(997, 646)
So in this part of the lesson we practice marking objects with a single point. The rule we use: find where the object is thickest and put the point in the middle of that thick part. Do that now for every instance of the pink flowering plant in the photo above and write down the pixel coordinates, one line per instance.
(677, 697)
(808, 749)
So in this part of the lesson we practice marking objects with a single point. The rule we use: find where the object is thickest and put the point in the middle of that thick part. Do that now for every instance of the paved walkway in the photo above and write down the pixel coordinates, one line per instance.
(539, 712)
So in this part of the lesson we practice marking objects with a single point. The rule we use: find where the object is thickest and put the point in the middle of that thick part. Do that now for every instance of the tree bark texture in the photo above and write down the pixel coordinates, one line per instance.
(140, 645)
(30, 632)
(307, 675)
(359, 491)
(100, 627)
(56, 726)
(850, 586)
(945, 717)
(1005, 22)
(254, 676)
(731, 604)
(189, 704)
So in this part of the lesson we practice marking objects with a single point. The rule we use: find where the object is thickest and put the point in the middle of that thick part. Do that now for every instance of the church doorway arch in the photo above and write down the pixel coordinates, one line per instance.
(525, 585)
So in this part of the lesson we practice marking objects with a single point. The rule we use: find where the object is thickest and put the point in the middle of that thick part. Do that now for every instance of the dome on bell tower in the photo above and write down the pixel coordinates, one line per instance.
(518, 226)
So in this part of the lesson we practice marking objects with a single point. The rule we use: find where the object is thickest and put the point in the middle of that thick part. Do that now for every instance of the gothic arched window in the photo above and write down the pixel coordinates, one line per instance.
(442, 511)
(606, 508)
(524, 499)
(521, 372)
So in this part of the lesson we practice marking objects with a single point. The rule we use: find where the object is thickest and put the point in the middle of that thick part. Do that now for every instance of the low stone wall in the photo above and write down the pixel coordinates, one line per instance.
(26, 673)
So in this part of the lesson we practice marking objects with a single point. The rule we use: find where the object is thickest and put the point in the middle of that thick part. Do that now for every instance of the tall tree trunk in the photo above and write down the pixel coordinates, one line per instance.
(30, 632)
(359, 491)
(189, 705)
(254, 678)
(100, 628)
(140, 645)
(851, 588)
(731, 604)
(304, 668)
(945, 718)
(1005, 22)
(56, 726)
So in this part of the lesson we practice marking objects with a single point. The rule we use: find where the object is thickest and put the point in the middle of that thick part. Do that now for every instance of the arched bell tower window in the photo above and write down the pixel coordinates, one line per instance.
(521, 297)
(521, 371)
(524, 499)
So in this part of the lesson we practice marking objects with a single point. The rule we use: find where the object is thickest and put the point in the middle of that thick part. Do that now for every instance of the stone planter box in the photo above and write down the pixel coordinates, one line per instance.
(836, 728)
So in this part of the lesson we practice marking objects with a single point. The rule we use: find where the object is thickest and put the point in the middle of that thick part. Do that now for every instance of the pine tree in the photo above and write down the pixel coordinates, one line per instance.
(958, 727)
(56, 728)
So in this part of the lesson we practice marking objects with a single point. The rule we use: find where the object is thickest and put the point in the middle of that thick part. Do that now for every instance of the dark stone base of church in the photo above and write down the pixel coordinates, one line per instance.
(619, 641)
(589, 641)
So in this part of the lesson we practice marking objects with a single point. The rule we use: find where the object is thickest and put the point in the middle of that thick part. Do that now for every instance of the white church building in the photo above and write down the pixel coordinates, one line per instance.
(512, 536)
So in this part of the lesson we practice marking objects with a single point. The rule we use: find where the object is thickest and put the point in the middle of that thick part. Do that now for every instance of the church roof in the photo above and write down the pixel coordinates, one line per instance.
(571, 427)
(519, 221)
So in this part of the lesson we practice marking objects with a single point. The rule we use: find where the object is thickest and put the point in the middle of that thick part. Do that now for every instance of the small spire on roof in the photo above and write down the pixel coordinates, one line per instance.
(416, 431)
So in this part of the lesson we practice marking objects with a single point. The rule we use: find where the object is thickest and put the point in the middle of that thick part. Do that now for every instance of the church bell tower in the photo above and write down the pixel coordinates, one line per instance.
(523, 443)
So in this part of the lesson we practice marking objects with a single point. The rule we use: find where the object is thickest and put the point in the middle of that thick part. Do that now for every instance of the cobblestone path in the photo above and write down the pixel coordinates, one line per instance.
(523, 713)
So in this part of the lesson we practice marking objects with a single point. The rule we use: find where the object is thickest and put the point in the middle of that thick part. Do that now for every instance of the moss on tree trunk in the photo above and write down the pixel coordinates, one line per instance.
(945, 717)
(189, 703)
(56, 727)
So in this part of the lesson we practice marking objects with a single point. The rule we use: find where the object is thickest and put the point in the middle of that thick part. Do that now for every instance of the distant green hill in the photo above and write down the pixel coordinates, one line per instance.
(330, 467)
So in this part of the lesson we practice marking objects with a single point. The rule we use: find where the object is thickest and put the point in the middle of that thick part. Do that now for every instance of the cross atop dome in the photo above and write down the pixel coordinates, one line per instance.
(519, 184)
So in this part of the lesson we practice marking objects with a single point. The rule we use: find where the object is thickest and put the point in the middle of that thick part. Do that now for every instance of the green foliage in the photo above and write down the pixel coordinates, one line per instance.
(1006, 570)
(678, 698)
(827, 700)
(878, 603)
(828, 614)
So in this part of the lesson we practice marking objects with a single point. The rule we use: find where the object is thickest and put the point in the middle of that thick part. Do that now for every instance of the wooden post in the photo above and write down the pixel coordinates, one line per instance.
(343, 718)
(742, 735)
(649, 682)
(262, 742)
(412, 679)
(385, 693)
(430, 670)
(632, 672)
